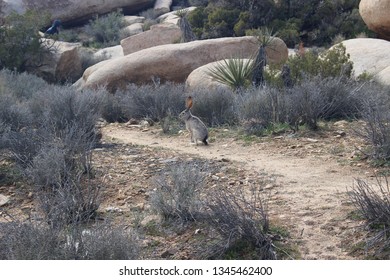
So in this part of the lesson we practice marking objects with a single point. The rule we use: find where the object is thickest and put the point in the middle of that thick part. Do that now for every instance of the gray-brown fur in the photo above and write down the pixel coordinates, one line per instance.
(194, 125)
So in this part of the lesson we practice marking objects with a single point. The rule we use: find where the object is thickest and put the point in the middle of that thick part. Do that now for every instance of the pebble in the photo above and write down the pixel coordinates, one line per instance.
(3, 200)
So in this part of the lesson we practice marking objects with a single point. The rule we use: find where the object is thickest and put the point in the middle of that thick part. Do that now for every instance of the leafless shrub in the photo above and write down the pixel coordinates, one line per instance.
(32, 241)
(102, 242)
(319, 98)
(376, 117)
(214, 108)
(373, 202)
(26, 241)
(149, 101)
(51, 136)
(65, 188)
(22, 86)
(260, 108)
(241, 220)
(177, 194)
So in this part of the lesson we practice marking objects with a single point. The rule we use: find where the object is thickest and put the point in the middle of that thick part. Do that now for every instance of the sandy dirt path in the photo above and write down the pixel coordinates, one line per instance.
(310, 196)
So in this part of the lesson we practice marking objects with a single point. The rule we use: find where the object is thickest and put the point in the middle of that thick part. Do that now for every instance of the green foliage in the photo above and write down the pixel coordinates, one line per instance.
(235, 73)
(21, 45)
(221, 23)
(288, 31)
(331, 63)
(242, 24)
(313, 22)
(106, 29)
(185, 27)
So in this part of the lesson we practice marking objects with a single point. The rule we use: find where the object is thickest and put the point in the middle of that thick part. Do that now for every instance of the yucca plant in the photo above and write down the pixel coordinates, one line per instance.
(265, 38)
(235, 73)
(185, 27)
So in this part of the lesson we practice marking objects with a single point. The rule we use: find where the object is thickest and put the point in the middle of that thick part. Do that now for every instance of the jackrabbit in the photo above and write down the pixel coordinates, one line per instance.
(194, 125)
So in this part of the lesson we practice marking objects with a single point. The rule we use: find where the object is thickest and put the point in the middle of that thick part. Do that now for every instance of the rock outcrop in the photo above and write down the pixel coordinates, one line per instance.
(109, 53)
(200, 79)
(133, 29)
(376, 15)
(62, 63)
(71, 12)
(173, 62)
(370, 56)
(162, 6)
(159, 34)
(171, 17)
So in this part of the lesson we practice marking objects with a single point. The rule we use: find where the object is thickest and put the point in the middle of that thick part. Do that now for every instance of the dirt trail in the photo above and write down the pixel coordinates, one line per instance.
(310, 196)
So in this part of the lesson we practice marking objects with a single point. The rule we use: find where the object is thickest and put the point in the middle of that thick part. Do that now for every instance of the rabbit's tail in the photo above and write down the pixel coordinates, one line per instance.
(205, 140)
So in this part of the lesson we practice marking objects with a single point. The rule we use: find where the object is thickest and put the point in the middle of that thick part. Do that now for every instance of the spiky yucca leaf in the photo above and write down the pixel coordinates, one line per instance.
(235, 72)
(185, 27)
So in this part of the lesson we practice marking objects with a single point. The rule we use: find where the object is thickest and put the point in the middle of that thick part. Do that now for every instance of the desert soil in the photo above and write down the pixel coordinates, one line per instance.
(311, 176)
(307, 179)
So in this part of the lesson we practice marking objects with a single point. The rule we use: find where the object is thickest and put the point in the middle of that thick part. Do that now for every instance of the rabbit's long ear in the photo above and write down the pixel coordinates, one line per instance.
(189, 102)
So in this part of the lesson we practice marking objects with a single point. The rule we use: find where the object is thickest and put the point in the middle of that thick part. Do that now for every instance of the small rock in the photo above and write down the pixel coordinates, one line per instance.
(215, 177)
(340, 133)
(3, 200)
(342, 123)
(167, 254)
(311, 140)
(149, 219)
(170, 160)
(138, 207)
(113, 209)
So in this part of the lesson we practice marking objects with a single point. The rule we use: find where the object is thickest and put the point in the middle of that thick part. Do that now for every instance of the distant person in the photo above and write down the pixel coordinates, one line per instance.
(54, 28)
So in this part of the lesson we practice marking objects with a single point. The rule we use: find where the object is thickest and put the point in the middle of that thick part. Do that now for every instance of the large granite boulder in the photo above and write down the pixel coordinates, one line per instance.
(376, 15)
(62, 63)
(370, 56)
(159, 34)
(171, 17)
(173, 62)
(200, 79)
(162, 6)
(109, 53)
(383, 77)
(133, 29)
(72, 12)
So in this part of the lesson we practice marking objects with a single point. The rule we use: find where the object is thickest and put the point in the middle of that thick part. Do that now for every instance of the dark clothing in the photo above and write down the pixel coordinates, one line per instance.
(54, 28)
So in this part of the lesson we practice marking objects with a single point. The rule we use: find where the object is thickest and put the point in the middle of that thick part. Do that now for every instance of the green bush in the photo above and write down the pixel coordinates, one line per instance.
(314, 22)
(221, 23)
(288, 31)
(235, 73)
(22, 48)
(331, 63)
(106, 29)
(242, 24)
(197, 20)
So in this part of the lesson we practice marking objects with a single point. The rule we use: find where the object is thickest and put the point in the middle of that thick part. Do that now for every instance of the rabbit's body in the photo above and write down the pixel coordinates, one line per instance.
(194, 125)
